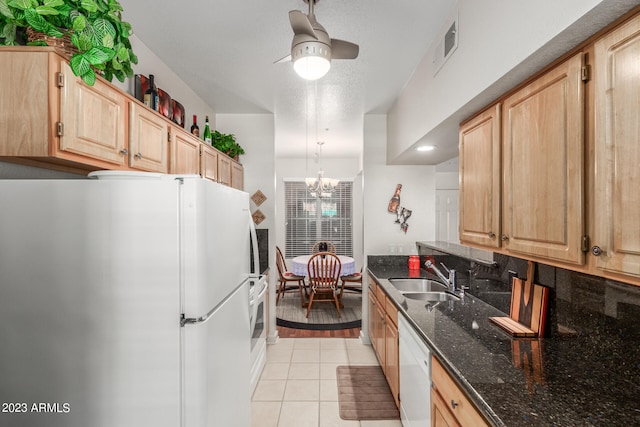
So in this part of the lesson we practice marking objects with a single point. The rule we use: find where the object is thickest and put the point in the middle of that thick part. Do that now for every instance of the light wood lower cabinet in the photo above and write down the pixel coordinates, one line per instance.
(449, 404)
(383, 333)
(616, 207)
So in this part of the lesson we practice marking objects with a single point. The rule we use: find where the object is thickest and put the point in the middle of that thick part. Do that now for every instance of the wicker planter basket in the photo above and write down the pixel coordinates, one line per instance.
(61, 43)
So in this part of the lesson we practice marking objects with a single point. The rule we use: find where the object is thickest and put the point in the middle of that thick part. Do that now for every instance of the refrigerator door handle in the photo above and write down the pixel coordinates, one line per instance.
(202, 319)
(254, 243)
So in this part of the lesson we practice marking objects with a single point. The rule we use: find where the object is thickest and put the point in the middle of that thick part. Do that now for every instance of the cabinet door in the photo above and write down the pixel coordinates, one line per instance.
(209, 162)
(372, 319)
(224, 169)
(185, 153)
(148, 140)
(543, 134)
(480, 179)
(617, 155)
(93, 119)
(440, 415)
(237, 176)
(392, 361)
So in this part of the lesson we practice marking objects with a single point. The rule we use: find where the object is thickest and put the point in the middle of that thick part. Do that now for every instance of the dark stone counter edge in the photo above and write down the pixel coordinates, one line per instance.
(471, 392)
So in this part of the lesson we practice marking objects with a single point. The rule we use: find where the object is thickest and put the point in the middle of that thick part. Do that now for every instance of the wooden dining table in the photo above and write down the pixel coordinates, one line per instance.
(299, 265)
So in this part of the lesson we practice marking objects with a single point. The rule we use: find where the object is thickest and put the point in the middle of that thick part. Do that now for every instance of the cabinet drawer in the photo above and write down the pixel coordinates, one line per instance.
(392, 311)
(455, 399)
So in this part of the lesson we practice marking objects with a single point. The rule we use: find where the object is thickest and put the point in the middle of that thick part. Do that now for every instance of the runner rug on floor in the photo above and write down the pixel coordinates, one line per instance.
(363, 394)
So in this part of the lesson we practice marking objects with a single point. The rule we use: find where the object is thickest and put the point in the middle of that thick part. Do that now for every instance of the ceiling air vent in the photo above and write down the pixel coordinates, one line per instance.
(447, 44)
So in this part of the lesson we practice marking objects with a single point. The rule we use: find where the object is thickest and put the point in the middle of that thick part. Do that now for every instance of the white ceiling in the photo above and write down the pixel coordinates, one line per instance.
(225, 51)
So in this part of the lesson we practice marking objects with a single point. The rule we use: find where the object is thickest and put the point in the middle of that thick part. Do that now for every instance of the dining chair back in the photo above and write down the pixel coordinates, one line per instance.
(323, 246)
(285, 276)
(324, 274)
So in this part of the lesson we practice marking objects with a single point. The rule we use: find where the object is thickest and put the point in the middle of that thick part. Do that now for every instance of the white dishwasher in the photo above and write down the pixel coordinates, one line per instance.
(415, 377)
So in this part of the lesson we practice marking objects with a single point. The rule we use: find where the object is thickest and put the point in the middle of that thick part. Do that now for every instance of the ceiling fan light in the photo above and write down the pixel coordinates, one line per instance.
(311, 67)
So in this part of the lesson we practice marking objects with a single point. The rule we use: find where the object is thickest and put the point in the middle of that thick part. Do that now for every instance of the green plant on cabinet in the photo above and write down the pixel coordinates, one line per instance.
(95, 27)
(226, 143)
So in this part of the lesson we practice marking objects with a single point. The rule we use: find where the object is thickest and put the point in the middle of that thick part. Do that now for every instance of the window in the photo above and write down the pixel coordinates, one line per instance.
(309, 219)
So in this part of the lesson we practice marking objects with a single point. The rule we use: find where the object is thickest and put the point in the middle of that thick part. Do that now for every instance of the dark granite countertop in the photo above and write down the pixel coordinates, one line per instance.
(573, 380)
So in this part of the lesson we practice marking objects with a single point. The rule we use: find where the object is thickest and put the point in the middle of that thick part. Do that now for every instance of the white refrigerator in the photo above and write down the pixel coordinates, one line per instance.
(124, 301)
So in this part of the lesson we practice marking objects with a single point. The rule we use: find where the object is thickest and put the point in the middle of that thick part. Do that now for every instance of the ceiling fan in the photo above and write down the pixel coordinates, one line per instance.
(311, 49)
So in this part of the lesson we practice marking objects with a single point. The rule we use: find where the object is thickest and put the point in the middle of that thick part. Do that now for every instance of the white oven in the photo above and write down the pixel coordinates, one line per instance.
(258, 316)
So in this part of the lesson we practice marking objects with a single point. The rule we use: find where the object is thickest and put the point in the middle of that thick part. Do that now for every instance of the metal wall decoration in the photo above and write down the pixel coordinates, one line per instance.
(402, 214)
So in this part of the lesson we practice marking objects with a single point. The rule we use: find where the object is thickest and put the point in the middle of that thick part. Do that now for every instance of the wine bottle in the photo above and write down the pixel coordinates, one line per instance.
(207, 131)
(395, 200)
(195, 130)
(151, 95)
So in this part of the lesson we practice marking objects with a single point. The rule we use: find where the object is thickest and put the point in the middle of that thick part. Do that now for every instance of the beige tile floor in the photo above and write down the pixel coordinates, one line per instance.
(298, 387)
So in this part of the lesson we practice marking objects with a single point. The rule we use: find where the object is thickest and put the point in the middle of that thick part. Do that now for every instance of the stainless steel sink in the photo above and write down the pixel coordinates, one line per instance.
(418, 285)
(431, 296)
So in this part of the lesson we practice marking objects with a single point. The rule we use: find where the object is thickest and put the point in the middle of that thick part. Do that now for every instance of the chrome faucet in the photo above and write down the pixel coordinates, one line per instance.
(450, 281)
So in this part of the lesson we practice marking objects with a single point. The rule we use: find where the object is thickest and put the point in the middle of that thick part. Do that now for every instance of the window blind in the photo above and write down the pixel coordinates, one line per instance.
(309, 219)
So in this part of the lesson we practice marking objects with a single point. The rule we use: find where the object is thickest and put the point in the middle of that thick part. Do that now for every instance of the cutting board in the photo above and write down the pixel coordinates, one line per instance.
(528, 308)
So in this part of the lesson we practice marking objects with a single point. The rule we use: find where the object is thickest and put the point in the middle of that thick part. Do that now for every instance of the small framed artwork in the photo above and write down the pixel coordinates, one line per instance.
(177, 113)
(164, 104)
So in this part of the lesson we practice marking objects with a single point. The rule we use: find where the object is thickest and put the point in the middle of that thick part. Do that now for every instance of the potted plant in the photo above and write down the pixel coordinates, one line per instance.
(94, 28)
(226, 143)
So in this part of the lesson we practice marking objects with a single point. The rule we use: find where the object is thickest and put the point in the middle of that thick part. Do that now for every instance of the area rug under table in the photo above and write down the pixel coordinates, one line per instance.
(363, 394)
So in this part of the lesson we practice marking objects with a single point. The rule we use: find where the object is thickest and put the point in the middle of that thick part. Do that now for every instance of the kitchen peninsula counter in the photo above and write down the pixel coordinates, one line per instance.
(573, 378)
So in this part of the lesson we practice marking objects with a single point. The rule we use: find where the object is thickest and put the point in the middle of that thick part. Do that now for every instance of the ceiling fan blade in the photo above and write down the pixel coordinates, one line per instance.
(285, 59)
(341, 49)
(300, 24)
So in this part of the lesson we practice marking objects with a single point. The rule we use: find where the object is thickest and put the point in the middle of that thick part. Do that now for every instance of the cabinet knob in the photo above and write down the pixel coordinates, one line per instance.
(453, 404)
(596, 250)
(124, 152)
(138, 156)
(491, 234)
(504, 238)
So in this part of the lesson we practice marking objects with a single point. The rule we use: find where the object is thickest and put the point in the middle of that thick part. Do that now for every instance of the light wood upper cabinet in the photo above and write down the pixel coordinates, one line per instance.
(185, 152)
(543, 166)
(480, 172)
(148, 139)
(92, 119)
(209, 162)
(50, 117)
(224, 170)
(616, 205)
(237, 176)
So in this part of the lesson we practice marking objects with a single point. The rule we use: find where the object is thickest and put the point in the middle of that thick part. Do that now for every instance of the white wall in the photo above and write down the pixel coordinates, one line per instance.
(167, 80)
(495, 36)
(381, 235)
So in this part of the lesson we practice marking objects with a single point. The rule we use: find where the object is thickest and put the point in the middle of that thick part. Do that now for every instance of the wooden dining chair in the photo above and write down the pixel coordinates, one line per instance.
(317, 247)
(285, 276)
(324, 274)
(352, 282)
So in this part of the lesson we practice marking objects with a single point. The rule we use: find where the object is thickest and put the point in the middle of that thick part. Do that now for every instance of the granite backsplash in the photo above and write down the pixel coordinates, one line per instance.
(579, 303)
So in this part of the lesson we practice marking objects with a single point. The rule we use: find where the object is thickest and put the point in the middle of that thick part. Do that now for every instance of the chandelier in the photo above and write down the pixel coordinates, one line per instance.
(321, 187)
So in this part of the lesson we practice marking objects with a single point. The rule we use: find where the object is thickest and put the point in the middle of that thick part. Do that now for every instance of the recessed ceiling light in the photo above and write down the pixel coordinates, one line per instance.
(426, 148)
